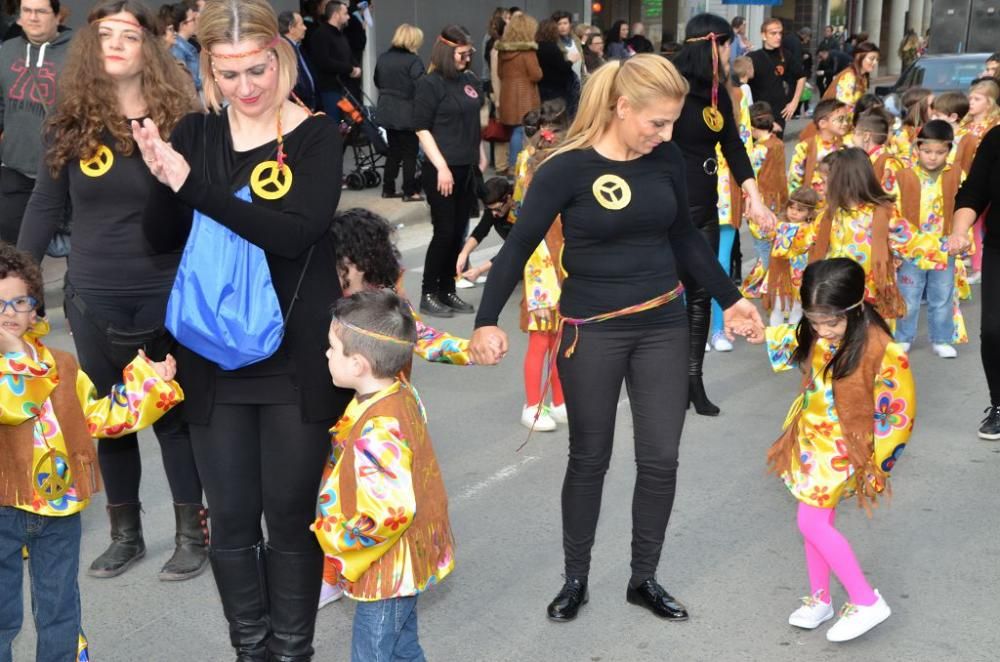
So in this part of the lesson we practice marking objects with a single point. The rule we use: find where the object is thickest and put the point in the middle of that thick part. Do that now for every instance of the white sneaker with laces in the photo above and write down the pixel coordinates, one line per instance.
(544, 422)
(464, 284)
(905, 346)
(720, 343)
(813, 612)
(945, 351)
(481, 280)
(330, 593)
(975, 278)
(558, 413)
(855, 620)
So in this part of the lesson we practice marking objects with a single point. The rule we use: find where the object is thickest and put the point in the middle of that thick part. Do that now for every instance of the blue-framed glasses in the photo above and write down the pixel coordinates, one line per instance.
(24, 304)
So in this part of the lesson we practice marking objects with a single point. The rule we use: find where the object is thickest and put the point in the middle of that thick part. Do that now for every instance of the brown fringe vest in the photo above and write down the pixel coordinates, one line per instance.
(854, 399)
(910, 194)
(17, 443)
(430, 532)
(772, 180)
(882, 162)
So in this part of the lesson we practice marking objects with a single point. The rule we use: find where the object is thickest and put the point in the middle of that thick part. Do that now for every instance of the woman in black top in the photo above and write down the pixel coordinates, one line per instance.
(446, 115)
(260, 432)
(118, 69)
(559, 81)
(708, 120)
(396, 74)
(619, 186)
(981, 192)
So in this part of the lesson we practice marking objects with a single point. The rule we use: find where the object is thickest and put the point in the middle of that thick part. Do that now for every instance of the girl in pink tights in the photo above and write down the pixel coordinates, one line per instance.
(843, 434)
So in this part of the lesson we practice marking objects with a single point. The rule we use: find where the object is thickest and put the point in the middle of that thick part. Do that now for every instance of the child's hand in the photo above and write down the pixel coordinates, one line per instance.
(544, 319)
(165, 369)
(10, 343)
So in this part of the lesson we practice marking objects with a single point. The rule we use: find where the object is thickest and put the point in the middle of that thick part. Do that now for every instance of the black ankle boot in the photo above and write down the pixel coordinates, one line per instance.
(294, 580)
(451, 300)
(697, 397)
(127, 545)
(431, 305)
(242, 583)
(191, 543)
(568, 601)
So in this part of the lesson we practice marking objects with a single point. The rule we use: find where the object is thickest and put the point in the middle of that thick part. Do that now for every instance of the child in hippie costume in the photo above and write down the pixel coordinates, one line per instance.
(768, 160)
(872, 135)
(793, 237)
(832, 120)
(382, 514)
(50, 414)
(843, 434)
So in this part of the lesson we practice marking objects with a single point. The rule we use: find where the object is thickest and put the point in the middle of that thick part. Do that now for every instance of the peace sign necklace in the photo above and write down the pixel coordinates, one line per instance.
(710, 114)
(271, 180)
(48, 482)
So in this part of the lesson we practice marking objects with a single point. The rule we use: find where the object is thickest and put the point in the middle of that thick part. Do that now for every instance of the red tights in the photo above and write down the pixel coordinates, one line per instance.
(540, 346)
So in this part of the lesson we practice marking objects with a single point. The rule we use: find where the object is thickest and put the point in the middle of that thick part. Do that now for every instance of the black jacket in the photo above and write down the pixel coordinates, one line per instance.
(557, 72)
(330, 54)
(396, 74)
(305, 84)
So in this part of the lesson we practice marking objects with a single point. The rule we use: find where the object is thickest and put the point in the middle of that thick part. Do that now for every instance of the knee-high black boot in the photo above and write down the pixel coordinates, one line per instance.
(242, 583)
(293, 587)
(699, 310)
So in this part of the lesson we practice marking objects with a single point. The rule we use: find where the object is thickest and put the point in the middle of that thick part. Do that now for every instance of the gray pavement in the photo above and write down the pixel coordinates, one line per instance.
(733, 554)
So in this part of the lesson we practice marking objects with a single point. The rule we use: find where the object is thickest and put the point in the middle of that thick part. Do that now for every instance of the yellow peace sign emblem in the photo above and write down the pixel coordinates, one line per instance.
(713, 118)
(99, 163)
(612, 192)
(51, 475)
(269, 181)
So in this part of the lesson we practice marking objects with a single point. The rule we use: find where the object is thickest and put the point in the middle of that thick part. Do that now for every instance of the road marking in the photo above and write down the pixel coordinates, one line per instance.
(500, 476)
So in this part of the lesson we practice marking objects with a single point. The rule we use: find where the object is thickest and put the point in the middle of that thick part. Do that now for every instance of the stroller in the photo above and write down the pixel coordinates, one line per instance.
(366, 140)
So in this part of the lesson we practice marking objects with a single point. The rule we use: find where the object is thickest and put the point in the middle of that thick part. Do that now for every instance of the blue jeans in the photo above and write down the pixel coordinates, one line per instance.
(727, 235)
(516, 145)
(386, 631)
(763, 249)
(54, 563)
(330, 100)
(940, 293)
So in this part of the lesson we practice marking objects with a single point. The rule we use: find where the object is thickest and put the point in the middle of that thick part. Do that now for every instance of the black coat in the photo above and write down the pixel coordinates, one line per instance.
(330, 55)
(396, 74)
(557, 72)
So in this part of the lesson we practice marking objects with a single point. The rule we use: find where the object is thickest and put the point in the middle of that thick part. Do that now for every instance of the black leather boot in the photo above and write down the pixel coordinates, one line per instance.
(191, 543)
(568, 601)
(293, 587)
(127, 545)
(431, 305)
(242, 583)
(698, 398)
(451, 300)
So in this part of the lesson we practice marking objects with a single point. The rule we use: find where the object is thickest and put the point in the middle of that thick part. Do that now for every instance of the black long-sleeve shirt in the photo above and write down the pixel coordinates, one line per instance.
(981, 188)
(490, 221)
(449, 109)
(330, 55)
(697, 143)
(614, 258)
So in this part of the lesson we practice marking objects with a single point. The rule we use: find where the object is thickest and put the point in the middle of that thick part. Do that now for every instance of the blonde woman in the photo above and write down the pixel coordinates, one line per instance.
(259, 432)
(396, 75)
(619, 185)
(519, 73)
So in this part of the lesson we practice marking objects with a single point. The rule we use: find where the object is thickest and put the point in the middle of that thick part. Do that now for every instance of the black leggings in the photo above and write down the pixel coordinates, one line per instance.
(652, 363)
(261, 460)
(403, 146)
(121, 464)
(989, 346)
(450, 222)
(697, 298)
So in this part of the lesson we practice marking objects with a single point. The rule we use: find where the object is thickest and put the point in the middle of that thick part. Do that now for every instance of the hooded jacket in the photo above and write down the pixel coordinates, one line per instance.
(28, 76)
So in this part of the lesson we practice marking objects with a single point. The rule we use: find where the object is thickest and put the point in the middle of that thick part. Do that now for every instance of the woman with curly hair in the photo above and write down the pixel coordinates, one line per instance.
(116, 291)
(260, 431)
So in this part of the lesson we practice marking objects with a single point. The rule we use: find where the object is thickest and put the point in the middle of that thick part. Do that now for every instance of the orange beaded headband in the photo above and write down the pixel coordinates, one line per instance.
(236, 56)
(448, 42)
(113, 19)
(374, 334)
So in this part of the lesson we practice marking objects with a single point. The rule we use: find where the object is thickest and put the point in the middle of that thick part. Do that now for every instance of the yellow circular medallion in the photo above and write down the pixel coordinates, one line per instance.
(99, 163)
(612, 192)
(270, 182)
(49, 482)
(713, 118)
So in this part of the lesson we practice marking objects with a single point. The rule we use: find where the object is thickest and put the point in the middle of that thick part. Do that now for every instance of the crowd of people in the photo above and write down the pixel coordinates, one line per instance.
(186, 143)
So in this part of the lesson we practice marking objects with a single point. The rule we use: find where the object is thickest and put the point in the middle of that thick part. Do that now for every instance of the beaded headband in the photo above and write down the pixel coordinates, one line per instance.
(236, 56)
(448, 42)
(113, 19)
(375, 334)
(845, 310)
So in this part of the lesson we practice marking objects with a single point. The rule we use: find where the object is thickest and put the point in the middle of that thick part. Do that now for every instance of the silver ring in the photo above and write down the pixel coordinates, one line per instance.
(710, 166)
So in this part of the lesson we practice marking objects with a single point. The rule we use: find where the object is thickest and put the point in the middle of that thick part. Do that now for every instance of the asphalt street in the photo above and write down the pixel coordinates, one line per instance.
(733, 554)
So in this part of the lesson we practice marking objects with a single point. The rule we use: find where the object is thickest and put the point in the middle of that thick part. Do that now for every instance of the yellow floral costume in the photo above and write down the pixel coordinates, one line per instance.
(798, 166)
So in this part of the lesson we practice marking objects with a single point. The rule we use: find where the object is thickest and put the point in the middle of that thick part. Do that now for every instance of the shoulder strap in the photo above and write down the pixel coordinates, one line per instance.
(298, 285)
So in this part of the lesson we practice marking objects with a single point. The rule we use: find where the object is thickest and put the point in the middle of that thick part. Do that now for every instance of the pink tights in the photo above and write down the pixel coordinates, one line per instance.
(827, 549)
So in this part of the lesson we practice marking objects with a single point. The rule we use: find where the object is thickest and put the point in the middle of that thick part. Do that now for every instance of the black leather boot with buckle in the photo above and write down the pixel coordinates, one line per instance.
(190, 556)
(127, 545)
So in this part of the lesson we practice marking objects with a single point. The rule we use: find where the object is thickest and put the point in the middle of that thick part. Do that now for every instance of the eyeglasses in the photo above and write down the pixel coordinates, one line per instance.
(467, 55)
(39, 13)
(841, 119)
(23, 304)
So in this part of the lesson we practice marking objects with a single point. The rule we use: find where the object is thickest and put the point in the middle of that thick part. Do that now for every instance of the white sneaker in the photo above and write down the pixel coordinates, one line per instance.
(330, 593)
(559, 414)
(813, 612)
(945, 351)
(708, 347)
(544, 422)
(720, 343)
(905, 346)
(481, 280)
(974, 278)
(855, 620)
(464, 284)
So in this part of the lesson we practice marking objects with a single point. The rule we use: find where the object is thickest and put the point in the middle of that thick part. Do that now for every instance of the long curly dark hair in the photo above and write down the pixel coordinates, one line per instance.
(365, 238)
(87, 106)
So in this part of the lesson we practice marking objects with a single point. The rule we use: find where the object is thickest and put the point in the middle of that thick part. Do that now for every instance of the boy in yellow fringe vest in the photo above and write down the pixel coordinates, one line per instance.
(833, 120)
(383, 511)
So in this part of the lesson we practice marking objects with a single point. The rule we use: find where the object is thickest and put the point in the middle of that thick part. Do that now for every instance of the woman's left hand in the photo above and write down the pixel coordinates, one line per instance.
(163, 161)
(761, 215)
(742, 319)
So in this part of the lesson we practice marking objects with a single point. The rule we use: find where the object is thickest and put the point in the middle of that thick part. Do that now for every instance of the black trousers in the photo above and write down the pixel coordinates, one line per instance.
(121, 463)
(450, 223)
(261, 460)
(989, 346)
(652, 364)
(403, 147)
(699, 302)
(15, 190)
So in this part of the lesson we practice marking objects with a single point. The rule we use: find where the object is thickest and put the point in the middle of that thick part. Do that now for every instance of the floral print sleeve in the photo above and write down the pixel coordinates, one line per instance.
(785, 235)
(895, 407)
(24, 384)
(440, 347)
(781, 344)
(797, 167)
(386, 502)
(138, 402)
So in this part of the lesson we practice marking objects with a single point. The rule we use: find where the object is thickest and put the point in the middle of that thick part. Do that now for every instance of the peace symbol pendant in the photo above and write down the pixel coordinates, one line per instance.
(612, 192)
(713, 118)
(49, 483)
(269, 181)
(99, 163)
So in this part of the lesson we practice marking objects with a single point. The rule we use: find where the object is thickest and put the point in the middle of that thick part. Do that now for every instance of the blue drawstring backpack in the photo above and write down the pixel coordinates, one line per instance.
(223, 305)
